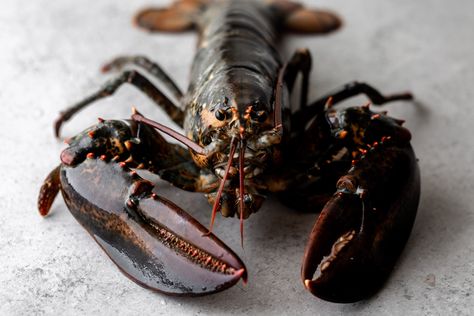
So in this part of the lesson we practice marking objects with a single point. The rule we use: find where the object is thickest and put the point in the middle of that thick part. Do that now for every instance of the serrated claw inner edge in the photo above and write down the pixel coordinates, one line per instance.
(192, 252)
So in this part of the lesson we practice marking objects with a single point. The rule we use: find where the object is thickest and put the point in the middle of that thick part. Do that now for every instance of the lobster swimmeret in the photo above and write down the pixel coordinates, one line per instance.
(244, 141)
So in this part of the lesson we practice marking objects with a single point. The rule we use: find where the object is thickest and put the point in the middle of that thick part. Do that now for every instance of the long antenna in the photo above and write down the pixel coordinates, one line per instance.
(233, 145)
(171, 132)
(277, 114)
(241, 188)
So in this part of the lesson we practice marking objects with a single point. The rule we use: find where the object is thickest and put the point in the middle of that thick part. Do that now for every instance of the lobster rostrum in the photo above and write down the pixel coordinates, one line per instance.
(244, 141)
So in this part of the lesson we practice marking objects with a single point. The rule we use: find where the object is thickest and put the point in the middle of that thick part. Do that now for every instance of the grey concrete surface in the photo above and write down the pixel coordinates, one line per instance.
(50, 56)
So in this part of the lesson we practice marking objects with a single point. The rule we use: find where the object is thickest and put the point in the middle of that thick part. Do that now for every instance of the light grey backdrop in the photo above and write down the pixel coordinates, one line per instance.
(49, 58)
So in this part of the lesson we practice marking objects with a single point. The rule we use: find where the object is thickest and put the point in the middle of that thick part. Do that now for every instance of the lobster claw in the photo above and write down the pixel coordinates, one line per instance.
(362, 230)
(151, 240)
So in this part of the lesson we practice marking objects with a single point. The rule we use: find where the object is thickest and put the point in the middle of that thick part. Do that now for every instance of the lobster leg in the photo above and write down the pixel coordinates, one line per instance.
(136, 79)
(151, 240)
(153, 68)
(299, 62)
(302, 117)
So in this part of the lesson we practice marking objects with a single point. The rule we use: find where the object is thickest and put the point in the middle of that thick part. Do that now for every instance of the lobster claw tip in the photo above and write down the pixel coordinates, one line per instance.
(242, 273)
(307, 284)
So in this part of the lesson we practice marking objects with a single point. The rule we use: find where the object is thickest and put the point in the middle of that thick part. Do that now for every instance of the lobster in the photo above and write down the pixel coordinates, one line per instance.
(242, 141)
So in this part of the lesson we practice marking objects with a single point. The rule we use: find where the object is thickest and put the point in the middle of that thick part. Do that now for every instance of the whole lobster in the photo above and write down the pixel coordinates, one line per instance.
(244, 141)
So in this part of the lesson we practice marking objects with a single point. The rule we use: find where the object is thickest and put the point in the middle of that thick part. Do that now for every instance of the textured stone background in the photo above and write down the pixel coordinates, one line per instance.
(49, 58)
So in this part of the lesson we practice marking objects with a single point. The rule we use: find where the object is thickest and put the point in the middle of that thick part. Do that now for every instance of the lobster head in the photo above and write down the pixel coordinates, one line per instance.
(241, 143)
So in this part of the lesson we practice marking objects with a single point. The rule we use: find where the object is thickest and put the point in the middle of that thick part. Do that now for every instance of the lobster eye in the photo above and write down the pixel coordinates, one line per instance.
(206, 140)
(259, 116)
(221, 114)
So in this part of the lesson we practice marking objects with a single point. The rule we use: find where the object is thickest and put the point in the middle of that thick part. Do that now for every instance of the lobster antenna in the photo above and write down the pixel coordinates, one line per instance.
(171, 132)
(241, 189)
(277, 115)
(233, 145)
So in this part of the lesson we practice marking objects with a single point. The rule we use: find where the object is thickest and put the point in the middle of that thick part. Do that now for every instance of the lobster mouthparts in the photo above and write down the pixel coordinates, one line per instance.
(151, 240)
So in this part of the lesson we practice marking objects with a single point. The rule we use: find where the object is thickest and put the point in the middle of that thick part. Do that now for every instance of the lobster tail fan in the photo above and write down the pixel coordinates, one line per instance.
(179, 17)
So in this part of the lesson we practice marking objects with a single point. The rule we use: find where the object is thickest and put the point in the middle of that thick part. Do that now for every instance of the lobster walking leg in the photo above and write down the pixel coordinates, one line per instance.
(347, 91)
(151, 67)
(299, 62)
(136, 79)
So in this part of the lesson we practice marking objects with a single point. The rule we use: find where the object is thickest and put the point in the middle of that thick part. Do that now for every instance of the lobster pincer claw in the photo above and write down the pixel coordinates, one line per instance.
(151, 240)
(363, 228)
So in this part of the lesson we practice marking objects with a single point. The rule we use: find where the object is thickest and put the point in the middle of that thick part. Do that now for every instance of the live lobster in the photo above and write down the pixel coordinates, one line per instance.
(244, 141)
